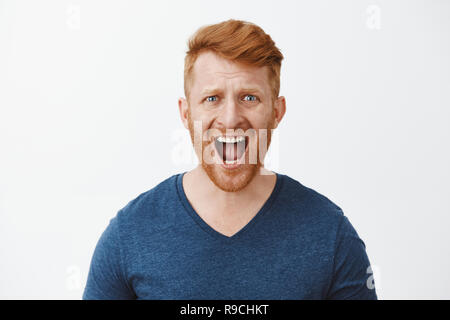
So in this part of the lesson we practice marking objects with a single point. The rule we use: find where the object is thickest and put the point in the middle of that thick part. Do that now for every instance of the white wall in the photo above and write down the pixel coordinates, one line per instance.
(89, 120)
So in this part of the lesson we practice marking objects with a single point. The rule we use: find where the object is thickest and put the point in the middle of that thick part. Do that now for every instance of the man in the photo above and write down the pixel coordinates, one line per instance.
(230, 229)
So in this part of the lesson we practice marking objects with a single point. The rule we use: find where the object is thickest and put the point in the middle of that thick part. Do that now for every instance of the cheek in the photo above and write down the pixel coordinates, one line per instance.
(204, 117)
(261, 121)
(261, 117)
(207, 118)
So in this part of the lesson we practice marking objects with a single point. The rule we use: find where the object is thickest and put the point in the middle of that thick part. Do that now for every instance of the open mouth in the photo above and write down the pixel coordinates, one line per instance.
(231, 148)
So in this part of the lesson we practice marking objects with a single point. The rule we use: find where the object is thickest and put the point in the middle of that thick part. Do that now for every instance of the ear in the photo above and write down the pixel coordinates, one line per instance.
(280, 110)
(183, 107)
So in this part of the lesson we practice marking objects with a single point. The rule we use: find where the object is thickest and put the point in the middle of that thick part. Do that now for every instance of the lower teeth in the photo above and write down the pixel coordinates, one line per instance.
(230, 161)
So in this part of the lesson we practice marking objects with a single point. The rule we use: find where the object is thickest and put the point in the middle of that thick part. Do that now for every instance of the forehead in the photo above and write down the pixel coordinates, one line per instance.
(212, 70)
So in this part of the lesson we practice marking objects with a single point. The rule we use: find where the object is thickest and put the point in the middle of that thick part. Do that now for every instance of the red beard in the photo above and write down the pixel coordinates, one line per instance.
(238, 178)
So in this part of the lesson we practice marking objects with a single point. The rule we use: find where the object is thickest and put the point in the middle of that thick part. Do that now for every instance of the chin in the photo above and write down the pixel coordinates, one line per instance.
(231, 180)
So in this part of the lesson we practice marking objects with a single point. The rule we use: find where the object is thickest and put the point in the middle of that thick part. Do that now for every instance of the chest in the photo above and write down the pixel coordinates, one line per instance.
(227, 219)
(277, 270)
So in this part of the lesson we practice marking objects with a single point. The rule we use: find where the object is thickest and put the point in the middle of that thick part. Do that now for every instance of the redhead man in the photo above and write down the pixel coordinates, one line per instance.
(230, 229)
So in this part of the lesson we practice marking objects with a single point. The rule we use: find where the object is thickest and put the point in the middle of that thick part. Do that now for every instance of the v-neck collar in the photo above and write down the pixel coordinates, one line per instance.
(206, 227)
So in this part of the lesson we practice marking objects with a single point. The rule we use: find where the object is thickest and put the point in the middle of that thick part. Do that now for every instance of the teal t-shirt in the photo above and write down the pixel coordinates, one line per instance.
(298, 246)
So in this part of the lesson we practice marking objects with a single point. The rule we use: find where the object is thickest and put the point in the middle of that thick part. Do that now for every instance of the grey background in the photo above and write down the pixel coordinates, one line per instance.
(89, 120)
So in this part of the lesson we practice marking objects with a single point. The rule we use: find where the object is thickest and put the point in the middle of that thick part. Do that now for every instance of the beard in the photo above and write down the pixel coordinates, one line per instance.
(238, 178)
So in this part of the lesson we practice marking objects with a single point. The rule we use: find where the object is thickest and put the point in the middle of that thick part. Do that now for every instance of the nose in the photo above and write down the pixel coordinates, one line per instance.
(230, 116)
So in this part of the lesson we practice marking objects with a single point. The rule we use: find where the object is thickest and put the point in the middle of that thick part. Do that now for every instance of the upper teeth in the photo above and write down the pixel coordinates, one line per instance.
(231, 139)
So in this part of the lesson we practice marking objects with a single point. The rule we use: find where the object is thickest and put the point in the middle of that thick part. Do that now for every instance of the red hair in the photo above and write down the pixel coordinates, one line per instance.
(238, 41)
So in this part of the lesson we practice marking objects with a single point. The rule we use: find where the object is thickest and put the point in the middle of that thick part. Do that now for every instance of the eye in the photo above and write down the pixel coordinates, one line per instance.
(250, 97)
(211, 98)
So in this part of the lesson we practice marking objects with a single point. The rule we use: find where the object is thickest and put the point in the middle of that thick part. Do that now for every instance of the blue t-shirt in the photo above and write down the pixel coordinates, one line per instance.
(298, 246)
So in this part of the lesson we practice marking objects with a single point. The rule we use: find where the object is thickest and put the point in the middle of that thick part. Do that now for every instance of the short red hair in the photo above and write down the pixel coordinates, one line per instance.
(238, 41)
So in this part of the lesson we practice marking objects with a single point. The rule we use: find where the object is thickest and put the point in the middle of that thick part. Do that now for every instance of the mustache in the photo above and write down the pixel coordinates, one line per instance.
(214, 133)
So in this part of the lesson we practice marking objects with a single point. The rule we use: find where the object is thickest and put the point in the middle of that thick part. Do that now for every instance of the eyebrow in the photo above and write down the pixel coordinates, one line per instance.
(209, 91)
(216, 90)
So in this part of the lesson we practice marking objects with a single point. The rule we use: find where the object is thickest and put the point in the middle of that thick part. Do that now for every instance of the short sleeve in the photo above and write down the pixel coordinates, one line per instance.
(351, 271)
(106, 279)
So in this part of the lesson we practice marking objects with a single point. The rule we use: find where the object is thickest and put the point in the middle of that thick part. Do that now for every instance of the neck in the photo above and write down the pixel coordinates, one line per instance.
(203, 189)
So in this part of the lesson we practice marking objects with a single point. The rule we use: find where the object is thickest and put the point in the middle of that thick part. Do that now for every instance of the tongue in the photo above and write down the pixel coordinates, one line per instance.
(230, 151)
(233, 151)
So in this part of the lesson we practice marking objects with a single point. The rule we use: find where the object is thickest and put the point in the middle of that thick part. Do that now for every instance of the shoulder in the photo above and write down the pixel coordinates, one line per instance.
(308, 202)
(155, 206)
(308, 214)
